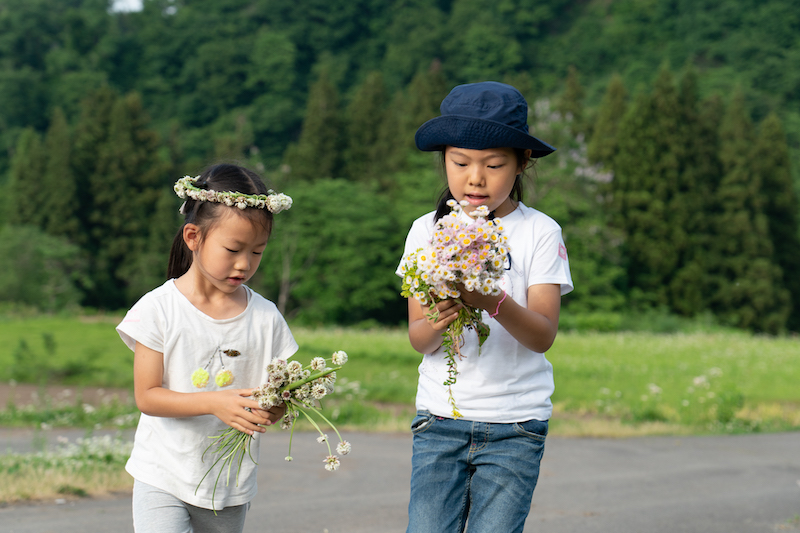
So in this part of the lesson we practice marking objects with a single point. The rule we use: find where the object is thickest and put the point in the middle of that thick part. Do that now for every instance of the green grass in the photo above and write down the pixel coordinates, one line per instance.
(608, 384)
(612, 383)
(704, 382)
(74, 351)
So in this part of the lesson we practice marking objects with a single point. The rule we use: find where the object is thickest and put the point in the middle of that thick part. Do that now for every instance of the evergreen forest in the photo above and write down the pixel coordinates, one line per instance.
(677, 124)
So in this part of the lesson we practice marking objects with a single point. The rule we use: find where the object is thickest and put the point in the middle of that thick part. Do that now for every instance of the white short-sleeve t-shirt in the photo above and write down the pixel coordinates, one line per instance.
(167, 451)
(506, 382)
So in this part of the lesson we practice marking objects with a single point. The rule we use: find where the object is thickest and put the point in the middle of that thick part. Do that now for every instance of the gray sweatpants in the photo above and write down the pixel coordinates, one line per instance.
(157, 511)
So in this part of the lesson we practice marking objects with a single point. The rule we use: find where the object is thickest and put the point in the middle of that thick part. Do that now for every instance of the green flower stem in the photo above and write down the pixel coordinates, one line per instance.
(319, 413)
(314, 423)
(310, 378)
(291, 410)
(231, 442)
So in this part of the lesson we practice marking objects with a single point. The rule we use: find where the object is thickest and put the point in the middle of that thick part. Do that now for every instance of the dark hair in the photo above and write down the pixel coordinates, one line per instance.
(443, 209)
(221, 177)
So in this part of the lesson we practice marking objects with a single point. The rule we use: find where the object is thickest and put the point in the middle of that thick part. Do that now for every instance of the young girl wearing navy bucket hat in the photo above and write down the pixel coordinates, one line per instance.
(479, 470)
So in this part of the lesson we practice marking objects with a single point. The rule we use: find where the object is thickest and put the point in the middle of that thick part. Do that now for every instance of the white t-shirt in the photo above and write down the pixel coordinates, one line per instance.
(167, 451)
(506, 382)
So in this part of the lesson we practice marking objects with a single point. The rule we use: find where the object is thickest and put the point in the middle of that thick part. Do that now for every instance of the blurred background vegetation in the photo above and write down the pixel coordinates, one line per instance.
(677, 122)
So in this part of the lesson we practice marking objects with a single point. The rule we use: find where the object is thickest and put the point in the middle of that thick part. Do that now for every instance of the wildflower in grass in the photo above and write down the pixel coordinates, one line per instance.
(654, 389)
(462, 251)
(299, 388)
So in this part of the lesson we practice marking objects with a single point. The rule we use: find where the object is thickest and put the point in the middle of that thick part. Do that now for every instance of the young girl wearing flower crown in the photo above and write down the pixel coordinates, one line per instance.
(201, 343)
(477, 466)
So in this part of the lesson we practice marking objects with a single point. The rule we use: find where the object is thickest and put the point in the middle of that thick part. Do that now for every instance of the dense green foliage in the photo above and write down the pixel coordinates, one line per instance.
(672, 194)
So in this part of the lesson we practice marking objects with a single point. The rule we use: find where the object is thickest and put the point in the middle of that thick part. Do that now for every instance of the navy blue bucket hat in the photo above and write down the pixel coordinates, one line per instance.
(481, 115)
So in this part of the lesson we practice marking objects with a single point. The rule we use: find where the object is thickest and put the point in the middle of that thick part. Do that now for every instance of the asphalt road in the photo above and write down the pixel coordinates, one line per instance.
(727, 484)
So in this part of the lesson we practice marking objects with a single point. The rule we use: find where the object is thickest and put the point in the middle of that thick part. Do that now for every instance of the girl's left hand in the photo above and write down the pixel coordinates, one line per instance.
(273, 414)
(479, 301)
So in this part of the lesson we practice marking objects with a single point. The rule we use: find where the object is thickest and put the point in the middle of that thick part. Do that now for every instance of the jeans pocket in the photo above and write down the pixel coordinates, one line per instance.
(535, 429)
(421, 422)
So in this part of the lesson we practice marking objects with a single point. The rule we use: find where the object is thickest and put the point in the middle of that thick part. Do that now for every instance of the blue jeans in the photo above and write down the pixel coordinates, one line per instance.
(478, 475)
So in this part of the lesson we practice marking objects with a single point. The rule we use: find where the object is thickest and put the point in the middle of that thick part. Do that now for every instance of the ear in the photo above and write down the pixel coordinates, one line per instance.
(192, 236)
(527, 156)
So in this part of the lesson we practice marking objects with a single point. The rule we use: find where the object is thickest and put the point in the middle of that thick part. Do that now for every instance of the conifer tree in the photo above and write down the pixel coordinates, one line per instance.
(771, 163)
(366, 115)
(26, 183)
(749, 294)
(91, 133)
(123, 182)
(61, 206)
(602, 147)
(645, 187)
(317, 153)
(425, 94)
(409, 109)
(694, 200)
(571, 102)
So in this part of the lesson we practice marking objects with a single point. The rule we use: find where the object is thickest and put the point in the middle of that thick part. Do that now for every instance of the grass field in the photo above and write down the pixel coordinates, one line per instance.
(606, 383)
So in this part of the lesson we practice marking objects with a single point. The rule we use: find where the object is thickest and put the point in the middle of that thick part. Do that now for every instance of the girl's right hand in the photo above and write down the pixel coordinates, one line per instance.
(445, 313)
(237, 409)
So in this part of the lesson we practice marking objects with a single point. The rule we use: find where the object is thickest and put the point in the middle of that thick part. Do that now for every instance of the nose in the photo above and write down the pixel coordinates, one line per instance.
(242, 262)
(476, 177)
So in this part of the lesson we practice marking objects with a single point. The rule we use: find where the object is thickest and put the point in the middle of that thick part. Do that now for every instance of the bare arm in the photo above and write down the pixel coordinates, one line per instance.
(227, 405)
(425, 333)
(534, 326)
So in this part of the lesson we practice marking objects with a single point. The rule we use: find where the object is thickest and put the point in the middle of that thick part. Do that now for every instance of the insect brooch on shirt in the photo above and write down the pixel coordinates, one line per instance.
(223, 378)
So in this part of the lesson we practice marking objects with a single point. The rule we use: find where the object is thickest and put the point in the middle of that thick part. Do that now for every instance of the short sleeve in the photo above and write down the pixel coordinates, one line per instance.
(283, 343)
(419, 236)
(143, 324)
(550, 262)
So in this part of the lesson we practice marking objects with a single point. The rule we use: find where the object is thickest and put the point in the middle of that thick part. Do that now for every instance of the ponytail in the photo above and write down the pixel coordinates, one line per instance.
(180, 257)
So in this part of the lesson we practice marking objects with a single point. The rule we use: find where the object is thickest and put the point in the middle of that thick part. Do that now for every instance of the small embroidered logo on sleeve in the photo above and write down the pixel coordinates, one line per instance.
(562, 251)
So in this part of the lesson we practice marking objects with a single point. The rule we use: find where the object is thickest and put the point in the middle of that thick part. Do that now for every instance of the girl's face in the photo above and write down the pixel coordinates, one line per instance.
(483, 177)
(228, 255)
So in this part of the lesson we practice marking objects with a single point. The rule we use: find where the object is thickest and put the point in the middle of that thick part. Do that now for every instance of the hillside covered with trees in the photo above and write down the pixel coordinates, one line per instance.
(677, 123)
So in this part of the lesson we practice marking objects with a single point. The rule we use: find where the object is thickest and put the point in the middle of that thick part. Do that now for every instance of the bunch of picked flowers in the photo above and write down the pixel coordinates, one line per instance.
(462, 251)
(300, 388)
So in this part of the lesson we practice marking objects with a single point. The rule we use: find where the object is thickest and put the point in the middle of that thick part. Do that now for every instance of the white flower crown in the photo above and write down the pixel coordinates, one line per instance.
(274, 201)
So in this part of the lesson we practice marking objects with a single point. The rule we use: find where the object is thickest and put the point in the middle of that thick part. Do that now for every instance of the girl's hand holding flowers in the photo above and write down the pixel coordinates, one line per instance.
(456, 276)
(487, 302)
(271, 415)
(443, 313)
(237, 409)
(292, 390)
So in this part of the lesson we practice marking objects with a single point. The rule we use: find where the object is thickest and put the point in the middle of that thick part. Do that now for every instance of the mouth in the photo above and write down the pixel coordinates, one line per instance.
(236, 281)
(475, 199)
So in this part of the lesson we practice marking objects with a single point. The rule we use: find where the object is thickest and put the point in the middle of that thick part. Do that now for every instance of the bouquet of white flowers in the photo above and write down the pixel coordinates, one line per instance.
(464, 252)
(300, 388)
